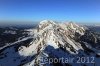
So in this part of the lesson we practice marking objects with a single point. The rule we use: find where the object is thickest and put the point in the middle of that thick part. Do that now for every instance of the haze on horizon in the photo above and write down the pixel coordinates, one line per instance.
(30, 11)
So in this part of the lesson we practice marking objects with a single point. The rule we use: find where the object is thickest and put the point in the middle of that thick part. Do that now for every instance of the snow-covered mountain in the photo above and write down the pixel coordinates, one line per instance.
(51, 44)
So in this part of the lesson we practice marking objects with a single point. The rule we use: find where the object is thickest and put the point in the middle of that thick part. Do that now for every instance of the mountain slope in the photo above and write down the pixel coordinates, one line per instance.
(54, 41)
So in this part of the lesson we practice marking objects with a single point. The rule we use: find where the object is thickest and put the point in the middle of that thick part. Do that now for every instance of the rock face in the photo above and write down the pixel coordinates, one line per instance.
(53, 40)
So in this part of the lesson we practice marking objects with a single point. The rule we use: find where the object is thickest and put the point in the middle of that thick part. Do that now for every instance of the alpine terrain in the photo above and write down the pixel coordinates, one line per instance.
(54, 44)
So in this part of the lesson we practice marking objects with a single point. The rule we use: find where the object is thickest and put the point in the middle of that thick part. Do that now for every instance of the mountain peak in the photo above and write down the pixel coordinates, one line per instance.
(69, 26)
(51, 40)
(47, 21)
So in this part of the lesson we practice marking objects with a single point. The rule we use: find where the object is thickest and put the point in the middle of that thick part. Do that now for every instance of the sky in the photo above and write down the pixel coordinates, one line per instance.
(87, 11)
